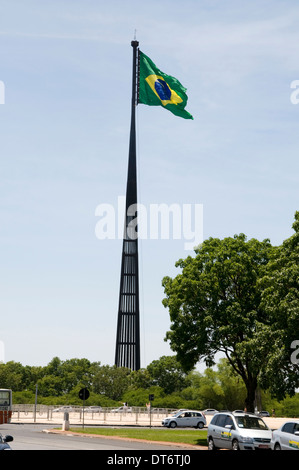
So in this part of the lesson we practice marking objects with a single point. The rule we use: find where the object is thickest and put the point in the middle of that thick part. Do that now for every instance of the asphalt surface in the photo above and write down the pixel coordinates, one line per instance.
(38, 437)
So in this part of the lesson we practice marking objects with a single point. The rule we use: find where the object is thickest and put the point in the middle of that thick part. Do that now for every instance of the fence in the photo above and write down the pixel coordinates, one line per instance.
(134, 416)
(105, 416)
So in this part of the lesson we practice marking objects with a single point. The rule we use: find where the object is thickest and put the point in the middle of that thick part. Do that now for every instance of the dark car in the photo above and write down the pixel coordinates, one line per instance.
(3, 442)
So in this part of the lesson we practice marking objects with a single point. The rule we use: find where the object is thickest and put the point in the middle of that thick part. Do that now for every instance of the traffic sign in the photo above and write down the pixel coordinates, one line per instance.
(84, 394)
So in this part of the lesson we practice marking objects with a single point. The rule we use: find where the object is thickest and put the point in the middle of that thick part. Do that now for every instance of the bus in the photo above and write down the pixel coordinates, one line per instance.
(5, 405)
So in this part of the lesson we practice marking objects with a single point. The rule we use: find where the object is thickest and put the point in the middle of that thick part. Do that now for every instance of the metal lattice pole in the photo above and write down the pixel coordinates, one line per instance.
(127, 353)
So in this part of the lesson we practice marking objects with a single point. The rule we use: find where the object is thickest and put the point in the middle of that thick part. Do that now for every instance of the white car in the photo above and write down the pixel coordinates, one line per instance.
(286, 437)
(93, 409)
(186, 418)
(210, 411)
(122, 409)
(238, 431)
(62, 409)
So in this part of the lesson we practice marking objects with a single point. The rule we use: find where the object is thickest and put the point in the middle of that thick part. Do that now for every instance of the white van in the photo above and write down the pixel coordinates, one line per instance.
(238, 431)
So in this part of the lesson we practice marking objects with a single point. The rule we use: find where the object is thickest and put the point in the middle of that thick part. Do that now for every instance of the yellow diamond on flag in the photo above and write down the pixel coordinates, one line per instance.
(162, 90)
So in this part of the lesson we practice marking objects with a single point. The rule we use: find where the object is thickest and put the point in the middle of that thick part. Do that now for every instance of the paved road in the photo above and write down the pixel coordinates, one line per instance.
(32, 437)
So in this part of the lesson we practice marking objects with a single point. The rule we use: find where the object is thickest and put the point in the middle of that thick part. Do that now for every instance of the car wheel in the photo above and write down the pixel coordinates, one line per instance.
(235, 445)
(200, 425)
(211, 445)
(277, 446)
(172, 424)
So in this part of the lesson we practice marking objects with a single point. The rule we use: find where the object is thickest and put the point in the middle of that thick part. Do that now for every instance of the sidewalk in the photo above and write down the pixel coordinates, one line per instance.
(110, 419)
(91, 419)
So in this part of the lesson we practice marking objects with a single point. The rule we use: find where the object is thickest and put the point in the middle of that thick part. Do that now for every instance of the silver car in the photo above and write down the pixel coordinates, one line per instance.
(93, 409)
(185, 418)
(286, 437)
(238, 431)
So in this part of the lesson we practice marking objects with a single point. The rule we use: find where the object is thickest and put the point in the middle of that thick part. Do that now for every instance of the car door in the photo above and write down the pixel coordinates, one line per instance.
(294, 439)
(226, 433)
(181, 420)
(217, 428)
(186, 419)
(286, 436)
(196, 418)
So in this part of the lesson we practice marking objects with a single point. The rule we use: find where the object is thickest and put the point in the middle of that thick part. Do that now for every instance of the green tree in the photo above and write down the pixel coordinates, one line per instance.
(140, 396)
(51, 386)
(112, 381)
(280, 300)
(214, 306)
(141, 379)
(210, 390)
(68, 374)
(233, 389)
(168, 374)
(12, 375)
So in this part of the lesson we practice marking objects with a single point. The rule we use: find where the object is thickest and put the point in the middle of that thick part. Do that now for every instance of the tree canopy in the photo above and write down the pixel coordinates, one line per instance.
(280, 301)
(220, 303)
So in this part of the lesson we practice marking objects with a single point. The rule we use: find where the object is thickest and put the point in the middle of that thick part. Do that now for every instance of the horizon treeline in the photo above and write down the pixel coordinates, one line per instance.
(59, 382)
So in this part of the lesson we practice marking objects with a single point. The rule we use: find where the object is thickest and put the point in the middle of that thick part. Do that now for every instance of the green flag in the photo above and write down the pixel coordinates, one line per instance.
(158, 89)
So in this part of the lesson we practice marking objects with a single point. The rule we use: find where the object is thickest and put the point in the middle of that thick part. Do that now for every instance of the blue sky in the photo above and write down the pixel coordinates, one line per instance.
(64, 135)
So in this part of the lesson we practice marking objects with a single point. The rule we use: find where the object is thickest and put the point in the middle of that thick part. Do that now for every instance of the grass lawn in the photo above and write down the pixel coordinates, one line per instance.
(192, 436)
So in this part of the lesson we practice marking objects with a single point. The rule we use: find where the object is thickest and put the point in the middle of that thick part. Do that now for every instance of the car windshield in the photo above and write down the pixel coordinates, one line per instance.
(250, 422)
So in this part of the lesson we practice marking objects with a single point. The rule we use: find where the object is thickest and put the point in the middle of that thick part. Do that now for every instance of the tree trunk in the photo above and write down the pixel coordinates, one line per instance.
(251, 386)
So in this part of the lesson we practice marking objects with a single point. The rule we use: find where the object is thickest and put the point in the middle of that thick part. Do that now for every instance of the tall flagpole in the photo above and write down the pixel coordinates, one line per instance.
(127, 351)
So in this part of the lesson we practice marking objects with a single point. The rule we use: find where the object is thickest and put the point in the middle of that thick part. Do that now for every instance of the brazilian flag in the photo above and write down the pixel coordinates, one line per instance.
(158, 89)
